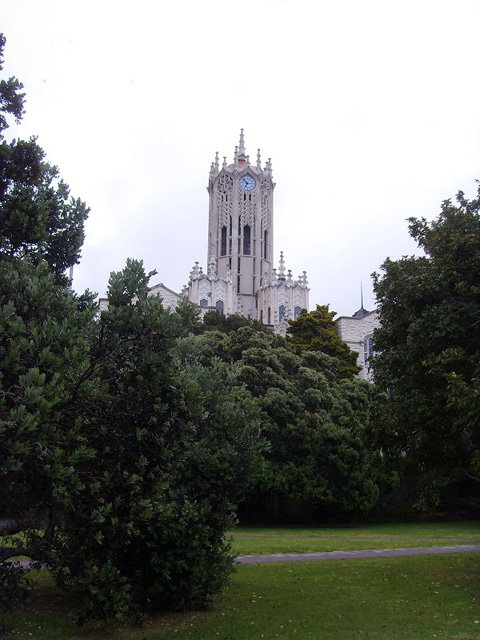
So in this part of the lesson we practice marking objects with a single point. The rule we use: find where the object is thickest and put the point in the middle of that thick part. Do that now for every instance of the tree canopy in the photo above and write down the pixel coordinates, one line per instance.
(311, 419)
(39, 219)
(121, 465)
(315, 331)
(428, 345)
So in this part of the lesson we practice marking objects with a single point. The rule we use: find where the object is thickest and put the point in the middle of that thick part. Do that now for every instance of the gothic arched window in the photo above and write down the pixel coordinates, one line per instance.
(219, 306)
(223, 248)
(281, 312)
(203, 303)
(246, 240)
(296, 312)
(269, 316)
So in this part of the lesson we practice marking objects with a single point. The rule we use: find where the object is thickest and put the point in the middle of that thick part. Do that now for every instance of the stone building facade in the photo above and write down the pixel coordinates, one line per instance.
(357, 332)
(240, 276)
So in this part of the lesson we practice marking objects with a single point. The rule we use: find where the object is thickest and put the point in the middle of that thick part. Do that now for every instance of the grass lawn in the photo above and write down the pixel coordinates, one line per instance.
(411, 598)
(256, 540)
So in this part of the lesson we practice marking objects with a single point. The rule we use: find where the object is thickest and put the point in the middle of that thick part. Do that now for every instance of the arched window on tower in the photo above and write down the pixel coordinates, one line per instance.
(281, 312)
(223, 248)
(296, 312)
(261, 316)
(219, 306)
(265, 240)
(203, 303)
(269, 316)
(246, 240)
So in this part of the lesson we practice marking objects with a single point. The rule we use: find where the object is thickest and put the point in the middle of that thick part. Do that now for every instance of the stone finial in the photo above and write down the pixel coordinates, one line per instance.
(195, 272)
(224, 162)
(259, 163)
(235, 156)
(305, 281)
(268, 166)
(281, 268)
(274, 274)
(241, 148)
(216, 161)
(289, 275)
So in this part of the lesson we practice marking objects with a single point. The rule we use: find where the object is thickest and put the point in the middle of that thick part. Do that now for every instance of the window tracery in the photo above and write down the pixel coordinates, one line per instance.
(266, 191)
(223, 198)
(247, 206)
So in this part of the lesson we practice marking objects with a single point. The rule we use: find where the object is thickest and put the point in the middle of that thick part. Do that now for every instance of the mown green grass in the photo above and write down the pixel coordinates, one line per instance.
(264, 540)
(412, 598)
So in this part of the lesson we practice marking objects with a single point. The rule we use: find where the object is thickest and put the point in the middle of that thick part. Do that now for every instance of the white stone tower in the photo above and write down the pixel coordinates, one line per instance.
(240, 230)
(240, 276)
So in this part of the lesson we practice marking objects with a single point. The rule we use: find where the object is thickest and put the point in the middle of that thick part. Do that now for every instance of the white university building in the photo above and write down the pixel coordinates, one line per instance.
(240, 277)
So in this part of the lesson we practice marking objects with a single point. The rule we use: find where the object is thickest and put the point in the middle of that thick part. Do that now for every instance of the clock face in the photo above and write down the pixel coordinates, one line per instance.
(247, 182)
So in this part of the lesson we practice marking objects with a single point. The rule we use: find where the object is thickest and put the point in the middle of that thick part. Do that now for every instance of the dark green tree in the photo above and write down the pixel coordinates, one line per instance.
(11, 98)
(39, 220)
(312, 420)
(46, 391)
(315, 331)
(45, 334)
(429, 346)
(174, 443)
(215, 321)
(122, 463)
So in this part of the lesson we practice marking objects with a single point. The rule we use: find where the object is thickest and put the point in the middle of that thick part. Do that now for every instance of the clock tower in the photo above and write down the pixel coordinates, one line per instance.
(240, 277)
(240, 229)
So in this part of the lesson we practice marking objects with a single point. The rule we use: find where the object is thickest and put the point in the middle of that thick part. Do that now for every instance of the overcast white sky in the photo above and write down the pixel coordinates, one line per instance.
(370, 111)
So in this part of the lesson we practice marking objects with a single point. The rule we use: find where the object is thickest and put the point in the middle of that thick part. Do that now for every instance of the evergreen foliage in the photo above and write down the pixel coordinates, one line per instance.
(214, 321)
(429, 347)
(315, 331)
(172, 448)
(312, 420)
(121, 468)
(39, 220)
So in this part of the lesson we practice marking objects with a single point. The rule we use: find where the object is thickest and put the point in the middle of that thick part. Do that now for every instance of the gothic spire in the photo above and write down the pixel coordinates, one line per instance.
(241, 159)
(241, 146)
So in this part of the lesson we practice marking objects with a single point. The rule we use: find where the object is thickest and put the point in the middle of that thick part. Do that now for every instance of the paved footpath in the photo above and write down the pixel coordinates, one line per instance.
(353, 555)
